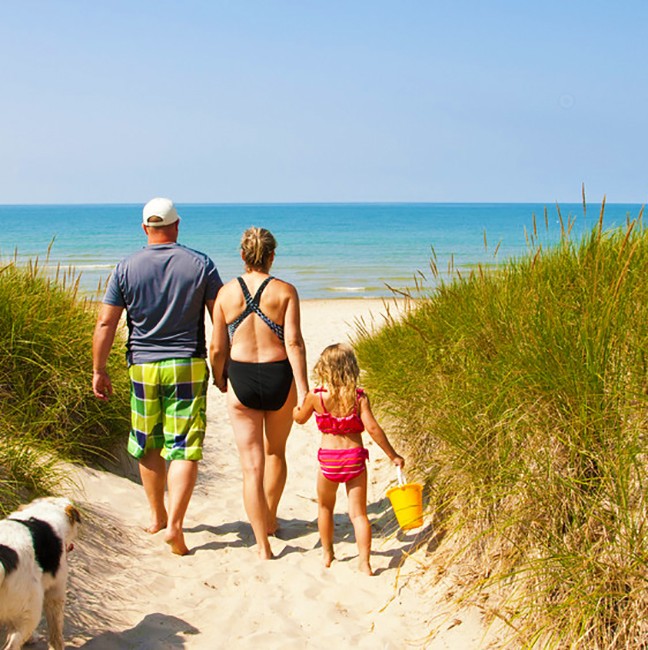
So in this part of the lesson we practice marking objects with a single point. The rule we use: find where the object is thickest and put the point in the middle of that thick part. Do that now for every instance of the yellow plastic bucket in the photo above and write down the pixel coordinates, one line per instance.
(407, 502)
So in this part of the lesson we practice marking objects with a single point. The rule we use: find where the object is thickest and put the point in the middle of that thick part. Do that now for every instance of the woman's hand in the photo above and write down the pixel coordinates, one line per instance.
(221, 384)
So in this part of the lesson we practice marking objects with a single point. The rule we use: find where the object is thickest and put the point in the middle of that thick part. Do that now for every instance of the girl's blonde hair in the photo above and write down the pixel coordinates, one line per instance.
(258, 245)
(338, 370)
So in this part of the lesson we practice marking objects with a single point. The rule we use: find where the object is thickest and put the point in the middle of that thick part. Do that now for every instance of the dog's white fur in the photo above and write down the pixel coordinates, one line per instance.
(27, 590)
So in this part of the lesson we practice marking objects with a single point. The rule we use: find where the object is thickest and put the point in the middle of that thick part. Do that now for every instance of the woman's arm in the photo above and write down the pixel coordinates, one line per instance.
(294, 341)
(219, 346)
(377, 433)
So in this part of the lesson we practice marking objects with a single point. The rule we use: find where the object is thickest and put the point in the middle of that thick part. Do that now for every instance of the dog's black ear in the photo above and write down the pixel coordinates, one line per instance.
(73, 515)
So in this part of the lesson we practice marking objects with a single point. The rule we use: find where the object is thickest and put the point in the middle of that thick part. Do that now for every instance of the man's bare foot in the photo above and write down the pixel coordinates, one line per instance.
(365, 567)
(177, 543)
(328, 557)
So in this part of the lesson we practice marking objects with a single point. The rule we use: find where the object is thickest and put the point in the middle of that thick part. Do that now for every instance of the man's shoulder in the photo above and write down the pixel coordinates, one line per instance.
(174, 250)
(140, 252)
(185, 250)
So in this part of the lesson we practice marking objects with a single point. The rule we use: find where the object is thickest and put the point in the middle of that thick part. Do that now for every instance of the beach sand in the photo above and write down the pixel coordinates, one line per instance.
(127, 590)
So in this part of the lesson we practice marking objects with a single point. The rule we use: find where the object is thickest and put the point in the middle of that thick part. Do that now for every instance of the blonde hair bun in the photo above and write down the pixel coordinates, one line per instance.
(258, 246)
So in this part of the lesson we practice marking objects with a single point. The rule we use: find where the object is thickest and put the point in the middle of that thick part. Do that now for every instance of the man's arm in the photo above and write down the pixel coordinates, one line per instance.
(209, 305)
(102, 342)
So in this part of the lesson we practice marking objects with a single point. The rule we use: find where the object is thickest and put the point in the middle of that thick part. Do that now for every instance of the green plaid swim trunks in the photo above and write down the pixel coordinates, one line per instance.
(168, 404)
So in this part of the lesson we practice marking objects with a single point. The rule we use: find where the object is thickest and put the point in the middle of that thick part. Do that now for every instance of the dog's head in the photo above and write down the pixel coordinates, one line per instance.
(58, 512)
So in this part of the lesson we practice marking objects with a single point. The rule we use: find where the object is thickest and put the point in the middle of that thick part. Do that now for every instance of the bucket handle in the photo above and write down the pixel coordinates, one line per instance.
(400, 476)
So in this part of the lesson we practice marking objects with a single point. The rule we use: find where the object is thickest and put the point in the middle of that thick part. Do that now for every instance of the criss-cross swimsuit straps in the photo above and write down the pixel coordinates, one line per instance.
(252, 306)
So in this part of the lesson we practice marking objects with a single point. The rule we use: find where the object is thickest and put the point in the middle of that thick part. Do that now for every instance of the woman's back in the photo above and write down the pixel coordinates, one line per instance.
(254, 339)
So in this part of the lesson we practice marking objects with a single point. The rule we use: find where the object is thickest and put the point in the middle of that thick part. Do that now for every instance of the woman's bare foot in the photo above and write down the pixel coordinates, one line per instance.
(265, 552)
(176, 542)
(328, 556)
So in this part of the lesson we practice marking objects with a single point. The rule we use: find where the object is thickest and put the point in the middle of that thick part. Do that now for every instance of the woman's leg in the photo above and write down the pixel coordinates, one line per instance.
(357, 493)
(248, 435)
(277, 427)
(326, 492)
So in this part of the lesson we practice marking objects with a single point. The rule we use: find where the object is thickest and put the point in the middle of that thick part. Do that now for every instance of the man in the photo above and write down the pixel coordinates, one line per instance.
(164, 288)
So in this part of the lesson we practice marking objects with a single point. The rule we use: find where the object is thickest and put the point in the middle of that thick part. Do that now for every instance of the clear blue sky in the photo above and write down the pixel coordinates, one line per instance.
(331, 100)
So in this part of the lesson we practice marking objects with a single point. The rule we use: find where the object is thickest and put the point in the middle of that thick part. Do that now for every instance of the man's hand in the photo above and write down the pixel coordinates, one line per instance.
(101, 385)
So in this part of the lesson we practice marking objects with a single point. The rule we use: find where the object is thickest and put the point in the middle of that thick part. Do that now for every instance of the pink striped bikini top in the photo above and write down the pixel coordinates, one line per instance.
(328, 423)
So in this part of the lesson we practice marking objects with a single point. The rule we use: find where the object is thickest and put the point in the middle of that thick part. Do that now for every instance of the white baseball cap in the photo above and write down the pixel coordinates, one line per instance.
(159, 212)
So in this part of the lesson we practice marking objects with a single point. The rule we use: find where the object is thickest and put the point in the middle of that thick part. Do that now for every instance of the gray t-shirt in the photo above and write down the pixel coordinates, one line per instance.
(164, 288)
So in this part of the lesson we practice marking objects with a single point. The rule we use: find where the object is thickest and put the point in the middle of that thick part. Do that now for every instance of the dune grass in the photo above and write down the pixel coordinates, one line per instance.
(48, 411)
(521, 395)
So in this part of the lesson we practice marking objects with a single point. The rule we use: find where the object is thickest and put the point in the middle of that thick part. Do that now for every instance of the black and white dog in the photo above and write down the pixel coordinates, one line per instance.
(34, 543)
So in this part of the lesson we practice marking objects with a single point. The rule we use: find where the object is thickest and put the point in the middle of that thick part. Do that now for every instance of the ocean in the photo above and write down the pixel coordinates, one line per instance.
(325, 250)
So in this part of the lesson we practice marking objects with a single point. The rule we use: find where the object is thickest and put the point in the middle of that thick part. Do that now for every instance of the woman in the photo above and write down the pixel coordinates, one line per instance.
(258, 356)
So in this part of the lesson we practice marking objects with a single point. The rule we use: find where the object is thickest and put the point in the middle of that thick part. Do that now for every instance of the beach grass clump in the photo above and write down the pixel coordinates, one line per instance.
(521, 396)
(47, 409)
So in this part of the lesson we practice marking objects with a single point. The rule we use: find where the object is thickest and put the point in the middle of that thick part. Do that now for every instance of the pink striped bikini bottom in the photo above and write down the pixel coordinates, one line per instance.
(342, 465)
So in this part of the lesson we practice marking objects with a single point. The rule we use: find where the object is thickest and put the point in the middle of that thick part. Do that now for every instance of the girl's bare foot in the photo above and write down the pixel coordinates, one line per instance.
(365, 567)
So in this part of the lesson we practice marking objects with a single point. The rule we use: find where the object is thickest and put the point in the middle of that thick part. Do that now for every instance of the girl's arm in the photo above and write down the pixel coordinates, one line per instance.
(377, 433)
(302, 413)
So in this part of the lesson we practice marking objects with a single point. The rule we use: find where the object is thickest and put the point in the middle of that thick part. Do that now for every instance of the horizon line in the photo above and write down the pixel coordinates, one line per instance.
(322, 203)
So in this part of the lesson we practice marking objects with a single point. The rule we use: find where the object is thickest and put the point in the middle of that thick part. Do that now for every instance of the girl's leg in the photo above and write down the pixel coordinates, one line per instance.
(326, 491)
(357, 494)
(277, 427)
(248, 435)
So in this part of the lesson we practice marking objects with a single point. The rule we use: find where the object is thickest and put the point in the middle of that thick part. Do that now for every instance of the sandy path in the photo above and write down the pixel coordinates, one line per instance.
(128, 591)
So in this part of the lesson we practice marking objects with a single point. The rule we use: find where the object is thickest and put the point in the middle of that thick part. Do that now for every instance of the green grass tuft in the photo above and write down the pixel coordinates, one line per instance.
(47, 409)
(521, 394)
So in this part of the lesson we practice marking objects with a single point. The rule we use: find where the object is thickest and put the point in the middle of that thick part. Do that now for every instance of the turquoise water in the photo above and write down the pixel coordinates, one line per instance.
(326, 250)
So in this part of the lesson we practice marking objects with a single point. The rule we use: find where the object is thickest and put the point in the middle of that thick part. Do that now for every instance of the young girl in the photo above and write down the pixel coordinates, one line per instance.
(342, 412)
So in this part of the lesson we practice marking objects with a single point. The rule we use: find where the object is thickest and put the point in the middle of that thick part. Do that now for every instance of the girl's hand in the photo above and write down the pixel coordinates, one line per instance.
(302, 412)
(399, 461)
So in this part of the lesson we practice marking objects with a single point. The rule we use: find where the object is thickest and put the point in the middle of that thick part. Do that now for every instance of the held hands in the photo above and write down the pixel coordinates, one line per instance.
(302, 412)
(221, 384)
